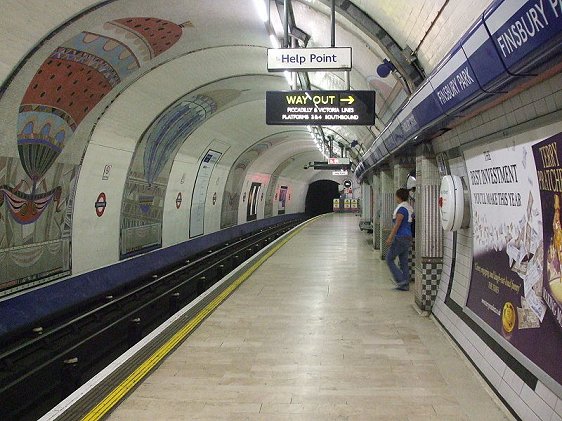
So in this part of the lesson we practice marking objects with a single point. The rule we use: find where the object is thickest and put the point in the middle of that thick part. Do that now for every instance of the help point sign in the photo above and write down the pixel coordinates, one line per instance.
(280, 59)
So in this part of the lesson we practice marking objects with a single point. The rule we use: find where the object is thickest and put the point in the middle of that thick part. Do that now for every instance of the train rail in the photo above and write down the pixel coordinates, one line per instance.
(42, 367)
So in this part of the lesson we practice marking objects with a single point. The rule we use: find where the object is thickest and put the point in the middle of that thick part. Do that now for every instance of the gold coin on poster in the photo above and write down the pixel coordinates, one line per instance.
(508, 317)
(556, 288)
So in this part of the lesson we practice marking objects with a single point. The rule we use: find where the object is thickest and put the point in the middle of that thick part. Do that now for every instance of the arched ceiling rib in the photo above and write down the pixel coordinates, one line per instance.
(220, 40)
(439, 23)
(355, 17)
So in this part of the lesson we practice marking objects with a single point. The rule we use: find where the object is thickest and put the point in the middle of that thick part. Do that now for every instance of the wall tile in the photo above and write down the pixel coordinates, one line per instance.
(546, 394)
(534, 402)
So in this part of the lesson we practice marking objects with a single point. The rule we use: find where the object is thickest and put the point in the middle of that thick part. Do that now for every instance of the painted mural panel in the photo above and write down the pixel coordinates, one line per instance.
(35, 190)
(270, 193)
(199, 196)
(272, 186)
(145, 188)
(235, 182)
(512, 265)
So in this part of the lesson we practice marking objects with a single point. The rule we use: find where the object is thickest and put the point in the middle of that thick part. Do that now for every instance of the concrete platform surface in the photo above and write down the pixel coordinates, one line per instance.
(316, 333)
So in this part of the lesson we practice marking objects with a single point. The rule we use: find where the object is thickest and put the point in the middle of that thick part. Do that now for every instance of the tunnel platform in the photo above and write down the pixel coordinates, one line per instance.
(316, 332)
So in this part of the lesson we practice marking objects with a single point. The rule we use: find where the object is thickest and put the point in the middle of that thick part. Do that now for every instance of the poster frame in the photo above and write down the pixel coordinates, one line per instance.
(201, 158)
(538, 133)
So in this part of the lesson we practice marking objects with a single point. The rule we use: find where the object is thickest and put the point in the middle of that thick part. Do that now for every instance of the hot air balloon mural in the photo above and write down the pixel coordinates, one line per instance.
(145, 189)
(172, 129)
(68, 85)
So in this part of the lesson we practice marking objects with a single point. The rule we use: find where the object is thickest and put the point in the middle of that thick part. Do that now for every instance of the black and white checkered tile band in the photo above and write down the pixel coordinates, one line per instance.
(431, 275)
(412, 262)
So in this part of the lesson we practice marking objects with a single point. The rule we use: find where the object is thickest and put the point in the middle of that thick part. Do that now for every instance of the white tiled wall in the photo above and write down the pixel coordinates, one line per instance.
(539, 404)
(407, 21)
(537, 102)
(540, 100)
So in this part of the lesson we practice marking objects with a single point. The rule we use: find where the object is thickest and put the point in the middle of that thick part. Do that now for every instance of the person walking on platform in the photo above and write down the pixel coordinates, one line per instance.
(400, 240)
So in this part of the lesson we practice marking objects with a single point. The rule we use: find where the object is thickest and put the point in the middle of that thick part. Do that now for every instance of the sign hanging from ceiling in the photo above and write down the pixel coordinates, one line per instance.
(304, 59)
(328, 108)
(324, 165)
(340, 172)
(338, 161)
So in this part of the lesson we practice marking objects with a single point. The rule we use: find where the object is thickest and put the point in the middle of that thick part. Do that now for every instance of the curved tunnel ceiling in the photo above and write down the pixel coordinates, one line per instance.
(145, 89)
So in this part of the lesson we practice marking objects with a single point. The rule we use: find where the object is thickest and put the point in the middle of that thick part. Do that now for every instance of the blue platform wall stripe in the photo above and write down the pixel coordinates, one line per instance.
(29, 308)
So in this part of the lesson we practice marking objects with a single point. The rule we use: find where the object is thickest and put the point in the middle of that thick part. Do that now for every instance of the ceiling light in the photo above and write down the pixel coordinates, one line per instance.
(261, 9)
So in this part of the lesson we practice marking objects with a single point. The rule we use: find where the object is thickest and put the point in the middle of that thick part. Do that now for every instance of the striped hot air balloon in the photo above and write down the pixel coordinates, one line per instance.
(74, 79)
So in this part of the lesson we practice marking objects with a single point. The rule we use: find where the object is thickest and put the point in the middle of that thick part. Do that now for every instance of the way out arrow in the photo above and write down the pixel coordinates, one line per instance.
(350, 100)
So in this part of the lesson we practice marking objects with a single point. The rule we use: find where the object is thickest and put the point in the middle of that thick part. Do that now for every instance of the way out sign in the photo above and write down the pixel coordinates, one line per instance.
(336, 108)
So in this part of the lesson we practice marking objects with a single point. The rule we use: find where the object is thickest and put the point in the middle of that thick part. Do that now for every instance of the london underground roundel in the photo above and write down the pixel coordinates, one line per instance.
(100, 204)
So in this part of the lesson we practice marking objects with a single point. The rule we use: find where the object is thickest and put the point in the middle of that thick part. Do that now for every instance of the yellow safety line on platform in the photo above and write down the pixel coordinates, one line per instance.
(113, 398)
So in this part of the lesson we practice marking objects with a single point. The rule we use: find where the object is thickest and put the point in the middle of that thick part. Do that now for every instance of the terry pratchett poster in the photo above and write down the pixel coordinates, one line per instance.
(512, 219)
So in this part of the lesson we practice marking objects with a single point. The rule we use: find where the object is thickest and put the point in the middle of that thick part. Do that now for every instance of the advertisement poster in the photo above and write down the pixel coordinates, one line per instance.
(282, 200)
(507, 285)
(252, 207)
(199, 196)
(549, 172)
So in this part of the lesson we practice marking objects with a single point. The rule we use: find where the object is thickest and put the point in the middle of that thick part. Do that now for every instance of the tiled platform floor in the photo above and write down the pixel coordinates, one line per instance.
(317, 333)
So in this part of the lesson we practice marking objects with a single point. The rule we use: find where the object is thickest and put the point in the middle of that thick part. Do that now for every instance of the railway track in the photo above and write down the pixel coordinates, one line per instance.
(42, 366)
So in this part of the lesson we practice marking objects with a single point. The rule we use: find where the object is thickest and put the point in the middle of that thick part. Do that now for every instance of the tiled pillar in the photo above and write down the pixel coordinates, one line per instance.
(365, 203)
(403, 165)
(387, 207)
(376, 183)
(401, 172)
(429, 234)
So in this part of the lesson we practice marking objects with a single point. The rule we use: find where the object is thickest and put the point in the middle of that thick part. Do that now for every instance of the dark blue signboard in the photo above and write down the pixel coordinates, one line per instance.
(526, 32)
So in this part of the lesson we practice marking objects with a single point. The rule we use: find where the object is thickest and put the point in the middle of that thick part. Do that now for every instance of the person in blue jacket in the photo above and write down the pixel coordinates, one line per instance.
(400, 240)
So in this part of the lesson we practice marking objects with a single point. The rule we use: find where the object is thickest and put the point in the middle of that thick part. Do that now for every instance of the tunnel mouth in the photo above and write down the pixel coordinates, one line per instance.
(320, 196)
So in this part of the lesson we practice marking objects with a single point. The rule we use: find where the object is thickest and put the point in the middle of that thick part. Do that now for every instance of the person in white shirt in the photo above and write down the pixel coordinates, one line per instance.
(400, 240)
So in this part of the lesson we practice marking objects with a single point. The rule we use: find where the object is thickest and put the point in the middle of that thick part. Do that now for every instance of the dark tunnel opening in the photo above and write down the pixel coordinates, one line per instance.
(320, 196)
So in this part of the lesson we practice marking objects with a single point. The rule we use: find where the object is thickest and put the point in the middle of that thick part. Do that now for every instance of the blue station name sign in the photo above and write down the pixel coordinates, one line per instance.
(335, 108)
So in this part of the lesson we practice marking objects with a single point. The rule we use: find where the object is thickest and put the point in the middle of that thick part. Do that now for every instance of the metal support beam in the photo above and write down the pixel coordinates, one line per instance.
(286, 24)
(379, 35)
(333, 23)
(294, 75)
(347, 79)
